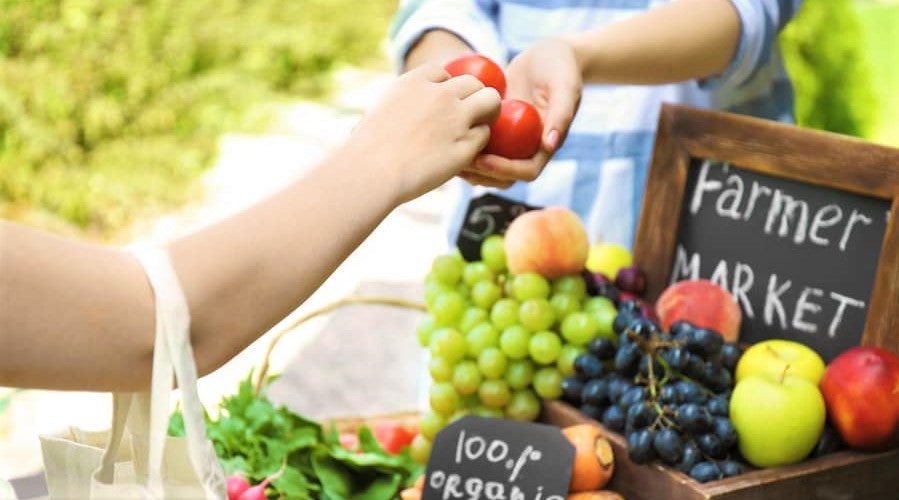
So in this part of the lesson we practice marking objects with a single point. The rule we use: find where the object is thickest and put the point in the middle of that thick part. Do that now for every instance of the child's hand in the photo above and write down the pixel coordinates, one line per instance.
(426, 128)
(548, 76)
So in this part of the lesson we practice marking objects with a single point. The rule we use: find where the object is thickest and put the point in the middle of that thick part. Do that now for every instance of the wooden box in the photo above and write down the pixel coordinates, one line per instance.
(843, 475)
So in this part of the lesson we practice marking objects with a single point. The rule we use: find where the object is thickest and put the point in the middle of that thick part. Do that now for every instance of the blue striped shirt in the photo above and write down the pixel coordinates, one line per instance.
(601, 169)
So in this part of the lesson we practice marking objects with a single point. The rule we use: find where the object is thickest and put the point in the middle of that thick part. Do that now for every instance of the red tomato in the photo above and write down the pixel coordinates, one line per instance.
(481, 67)
(392, 436)
(516, 133)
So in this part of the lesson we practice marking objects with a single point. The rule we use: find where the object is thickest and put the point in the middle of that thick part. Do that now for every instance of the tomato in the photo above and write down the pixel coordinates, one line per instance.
(392, 436)
(481, 67)
(516, 133)
(349, 440)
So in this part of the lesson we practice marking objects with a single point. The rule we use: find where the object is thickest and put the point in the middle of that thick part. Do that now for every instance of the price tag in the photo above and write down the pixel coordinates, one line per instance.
(493, 458)
(487, 214)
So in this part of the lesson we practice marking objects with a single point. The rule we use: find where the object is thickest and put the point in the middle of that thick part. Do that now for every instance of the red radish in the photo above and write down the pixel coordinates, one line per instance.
(257, 492)
(236, 485)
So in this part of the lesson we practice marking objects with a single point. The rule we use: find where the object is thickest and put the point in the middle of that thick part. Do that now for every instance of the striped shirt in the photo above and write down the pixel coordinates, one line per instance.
(601, 169)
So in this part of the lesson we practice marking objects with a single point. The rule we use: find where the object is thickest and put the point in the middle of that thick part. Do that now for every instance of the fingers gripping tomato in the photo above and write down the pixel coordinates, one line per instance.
(481, 67)
(516, 133)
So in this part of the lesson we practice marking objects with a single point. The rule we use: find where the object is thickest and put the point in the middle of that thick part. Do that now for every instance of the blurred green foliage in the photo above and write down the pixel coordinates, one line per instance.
(824, 54)
(110, 109)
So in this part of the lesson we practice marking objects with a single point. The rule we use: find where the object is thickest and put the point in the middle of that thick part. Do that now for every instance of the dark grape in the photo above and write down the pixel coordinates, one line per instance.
(705, 471)
(828, 442)
(718, 406)
(725, 431)
(602, 348)
(639, 415)
(624, 318)
(704, 342)
(645, 360)
(627, 359)
(730, 355)
(596, 392)
(711, 445)
(717, 377)
(668, 394)
(635, 394)
(617, 387)
(639, 446)
(571, 390)
(693, 418)
(592, 411)
(676, 357)
(614, 418)
(731, 468)
(680, 328)
(587, 366)
(690, 457)
(668, 445)
(690, 392)
(695, 367)
(631, 279)
(643, 327)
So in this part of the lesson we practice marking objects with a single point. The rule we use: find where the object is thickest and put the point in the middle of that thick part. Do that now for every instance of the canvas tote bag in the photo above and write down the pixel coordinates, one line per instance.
(135, 458)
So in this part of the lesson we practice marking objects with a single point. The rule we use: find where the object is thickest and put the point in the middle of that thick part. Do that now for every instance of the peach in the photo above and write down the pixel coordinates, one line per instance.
(702, 303)
(550, 241)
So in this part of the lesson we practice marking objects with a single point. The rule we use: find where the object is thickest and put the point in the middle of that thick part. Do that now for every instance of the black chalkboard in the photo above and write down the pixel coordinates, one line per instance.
(481, 457)
(486, 215)
(800, 259)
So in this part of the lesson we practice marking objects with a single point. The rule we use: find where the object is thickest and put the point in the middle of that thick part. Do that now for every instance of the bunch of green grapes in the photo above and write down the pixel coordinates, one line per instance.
(500, 343)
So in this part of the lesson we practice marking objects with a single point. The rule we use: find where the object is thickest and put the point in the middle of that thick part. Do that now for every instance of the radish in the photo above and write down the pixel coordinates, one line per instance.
(236, 485)
(257, 492)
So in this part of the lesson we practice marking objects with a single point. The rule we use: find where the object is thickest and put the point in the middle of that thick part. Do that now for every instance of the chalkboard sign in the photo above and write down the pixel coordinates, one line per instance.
(481, 457)
(795, 223)
(486, 215)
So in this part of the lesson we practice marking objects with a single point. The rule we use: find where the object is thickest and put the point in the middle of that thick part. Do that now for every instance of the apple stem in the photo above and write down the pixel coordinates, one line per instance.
(783, 374)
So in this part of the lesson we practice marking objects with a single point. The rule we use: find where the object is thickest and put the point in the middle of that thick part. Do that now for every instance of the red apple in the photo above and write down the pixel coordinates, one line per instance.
(861, 391)
(550, 241)
(702, 303)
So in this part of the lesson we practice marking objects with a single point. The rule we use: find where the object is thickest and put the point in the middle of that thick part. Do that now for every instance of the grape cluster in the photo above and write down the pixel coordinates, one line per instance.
(666, 392)
(499, 342)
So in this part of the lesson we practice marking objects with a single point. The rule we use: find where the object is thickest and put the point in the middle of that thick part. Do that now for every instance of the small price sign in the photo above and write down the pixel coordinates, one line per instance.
(492, 458)
(486, 215)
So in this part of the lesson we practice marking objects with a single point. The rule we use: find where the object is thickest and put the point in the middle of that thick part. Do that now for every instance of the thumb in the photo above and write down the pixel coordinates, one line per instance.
(562, 103)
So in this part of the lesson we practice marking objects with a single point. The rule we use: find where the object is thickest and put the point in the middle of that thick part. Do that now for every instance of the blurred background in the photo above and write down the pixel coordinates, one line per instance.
(125, 119)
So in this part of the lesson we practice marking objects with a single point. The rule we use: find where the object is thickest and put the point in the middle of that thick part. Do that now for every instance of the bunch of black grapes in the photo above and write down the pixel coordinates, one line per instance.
(666, 392)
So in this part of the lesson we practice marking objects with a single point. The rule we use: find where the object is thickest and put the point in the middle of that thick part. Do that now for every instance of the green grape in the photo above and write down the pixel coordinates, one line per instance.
(447, 308)
(434, 289)
(425, 328)
(565, 363)
(597, 303)
(440, 369)
(572, 284)
(493, 252)
(449, 344)
(485, 293)
(470, 401)
(605, 318)
(494, 393)
(477, 271)
(447, 269)
(580, 328)
(564, 303)
(548, 383)
(481, 337)
(545, 347)
(520, 373)
(504, 313)
(461, 412)
(471, 317)
(492, 363)
(483, 411)
(536, 314)
(523, 406)
(514, 341)
(529, 286)
(466, 377)
(431, 423)
(443, 398)
(420, 449)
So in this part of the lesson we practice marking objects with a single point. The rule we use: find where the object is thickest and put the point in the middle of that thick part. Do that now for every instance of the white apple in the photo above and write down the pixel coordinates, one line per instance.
(778, 418)
(775, 355)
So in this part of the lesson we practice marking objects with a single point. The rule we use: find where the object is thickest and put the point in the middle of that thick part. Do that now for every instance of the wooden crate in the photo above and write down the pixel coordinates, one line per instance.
(844, 475)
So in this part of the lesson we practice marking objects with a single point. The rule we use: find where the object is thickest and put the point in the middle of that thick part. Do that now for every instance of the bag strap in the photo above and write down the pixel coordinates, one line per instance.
(172, 351)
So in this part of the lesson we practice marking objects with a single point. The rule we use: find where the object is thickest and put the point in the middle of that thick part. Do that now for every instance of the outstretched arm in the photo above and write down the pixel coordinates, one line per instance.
(77, 315)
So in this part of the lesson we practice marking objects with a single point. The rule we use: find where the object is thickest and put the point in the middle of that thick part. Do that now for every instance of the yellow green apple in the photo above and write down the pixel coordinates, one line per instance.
(778, 418)
(608, 258)
(773, 356)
